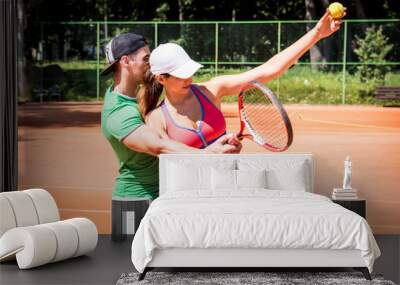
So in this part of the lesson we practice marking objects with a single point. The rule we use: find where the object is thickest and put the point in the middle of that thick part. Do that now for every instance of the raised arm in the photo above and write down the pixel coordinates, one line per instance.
(232, 84)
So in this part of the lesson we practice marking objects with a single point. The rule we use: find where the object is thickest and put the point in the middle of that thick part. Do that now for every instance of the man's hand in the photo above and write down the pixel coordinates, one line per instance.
(226, 144)
(327, 25)
(236, 141)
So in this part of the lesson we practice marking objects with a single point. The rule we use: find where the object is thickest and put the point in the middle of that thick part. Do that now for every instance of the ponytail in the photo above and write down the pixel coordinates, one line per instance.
(150, 94)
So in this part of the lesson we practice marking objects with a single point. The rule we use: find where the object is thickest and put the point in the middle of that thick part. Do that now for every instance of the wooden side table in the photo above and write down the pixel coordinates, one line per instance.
(357, 206)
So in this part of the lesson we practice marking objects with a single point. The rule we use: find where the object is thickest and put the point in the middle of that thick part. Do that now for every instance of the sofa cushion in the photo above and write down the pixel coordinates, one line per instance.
(67, 240)
(87, 235)
(40, 244)
(23, 208)
(32, 246)
(45, 205)
(26, 208)
(7, 215)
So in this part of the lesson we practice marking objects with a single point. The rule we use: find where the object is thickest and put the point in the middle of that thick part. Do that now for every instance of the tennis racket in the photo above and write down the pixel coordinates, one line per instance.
(264, 117)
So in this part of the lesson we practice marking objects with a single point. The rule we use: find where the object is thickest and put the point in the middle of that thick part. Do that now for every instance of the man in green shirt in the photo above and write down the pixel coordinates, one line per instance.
(135, 144)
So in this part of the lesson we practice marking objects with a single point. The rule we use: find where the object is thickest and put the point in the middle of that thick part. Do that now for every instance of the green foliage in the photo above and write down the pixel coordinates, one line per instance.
(146, 10)
(299, 85)
(374, 47)
(161, 12)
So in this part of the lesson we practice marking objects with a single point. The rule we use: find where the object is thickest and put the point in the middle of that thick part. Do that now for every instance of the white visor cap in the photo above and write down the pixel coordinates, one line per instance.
(172, 59)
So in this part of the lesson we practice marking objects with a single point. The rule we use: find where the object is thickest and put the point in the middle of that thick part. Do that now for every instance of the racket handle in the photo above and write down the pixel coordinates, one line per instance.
(235, 137)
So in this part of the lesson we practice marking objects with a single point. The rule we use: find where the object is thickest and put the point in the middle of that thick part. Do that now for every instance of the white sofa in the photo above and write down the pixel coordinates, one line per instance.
(31, 231)
(247, 210)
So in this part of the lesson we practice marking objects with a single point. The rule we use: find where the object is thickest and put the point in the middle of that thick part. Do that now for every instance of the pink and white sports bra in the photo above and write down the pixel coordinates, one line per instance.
(211, 127)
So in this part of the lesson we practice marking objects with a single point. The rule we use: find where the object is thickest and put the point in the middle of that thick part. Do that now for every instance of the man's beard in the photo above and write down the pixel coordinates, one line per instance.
(148, 77)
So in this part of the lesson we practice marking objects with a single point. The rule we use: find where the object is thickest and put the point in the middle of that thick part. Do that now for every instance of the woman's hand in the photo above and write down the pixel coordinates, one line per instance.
(327, 25)
(225, 144)
(236, 141)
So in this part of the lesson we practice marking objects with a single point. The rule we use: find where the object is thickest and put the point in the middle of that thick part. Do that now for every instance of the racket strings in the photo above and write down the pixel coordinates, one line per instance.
(263, 119)
(274, 132)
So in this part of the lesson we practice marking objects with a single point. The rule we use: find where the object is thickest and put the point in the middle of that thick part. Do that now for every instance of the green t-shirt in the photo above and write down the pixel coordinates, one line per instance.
(138, 172)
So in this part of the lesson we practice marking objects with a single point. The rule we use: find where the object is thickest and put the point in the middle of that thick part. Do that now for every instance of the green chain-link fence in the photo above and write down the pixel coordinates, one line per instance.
(326, 74)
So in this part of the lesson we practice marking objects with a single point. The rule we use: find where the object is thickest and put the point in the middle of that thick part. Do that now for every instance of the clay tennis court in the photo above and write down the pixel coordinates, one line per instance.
(61, 149)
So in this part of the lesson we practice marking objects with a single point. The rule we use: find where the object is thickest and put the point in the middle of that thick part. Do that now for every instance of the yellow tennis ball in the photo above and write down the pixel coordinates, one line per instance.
(336, 10)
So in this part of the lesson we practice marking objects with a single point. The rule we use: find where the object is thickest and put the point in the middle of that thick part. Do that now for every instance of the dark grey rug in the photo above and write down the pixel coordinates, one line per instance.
(244, 278)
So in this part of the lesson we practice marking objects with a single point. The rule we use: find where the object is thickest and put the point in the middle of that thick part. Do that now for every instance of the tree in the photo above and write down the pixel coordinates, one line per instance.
(374, 47)
(315, 53)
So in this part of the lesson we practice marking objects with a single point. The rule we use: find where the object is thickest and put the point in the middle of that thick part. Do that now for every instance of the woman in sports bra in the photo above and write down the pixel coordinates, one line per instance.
(191, 113)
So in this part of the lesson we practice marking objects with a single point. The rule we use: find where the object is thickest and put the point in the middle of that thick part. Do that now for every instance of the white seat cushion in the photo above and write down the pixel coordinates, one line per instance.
(46, 207)
(40, 244)
(87, 235)
(23, 208)
(33, 246)
(7, 220)
(67, 240)
(26, 208)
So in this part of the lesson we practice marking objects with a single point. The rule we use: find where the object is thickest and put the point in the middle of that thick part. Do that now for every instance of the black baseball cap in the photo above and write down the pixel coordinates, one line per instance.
(123, 44)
